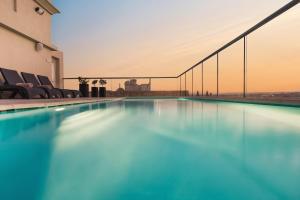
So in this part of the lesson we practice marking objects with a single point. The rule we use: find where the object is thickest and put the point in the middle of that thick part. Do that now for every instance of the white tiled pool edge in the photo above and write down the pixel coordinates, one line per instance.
(292, 102)
(6, 105)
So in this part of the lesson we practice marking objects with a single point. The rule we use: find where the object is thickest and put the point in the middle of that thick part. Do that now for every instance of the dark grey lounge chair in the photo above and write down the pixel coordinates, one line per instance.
(44, 80)
(12, 79)
(31, 78)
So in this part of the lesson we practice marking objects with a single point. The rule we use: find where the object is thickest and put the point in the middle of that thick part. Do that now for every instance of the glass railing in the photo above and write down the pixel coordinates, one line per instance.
(263, 61)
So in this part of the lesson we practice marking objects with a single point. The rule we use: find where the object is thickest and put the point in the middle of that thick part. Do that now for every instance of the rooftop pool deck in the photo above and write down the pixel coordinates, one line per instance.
(19, 104)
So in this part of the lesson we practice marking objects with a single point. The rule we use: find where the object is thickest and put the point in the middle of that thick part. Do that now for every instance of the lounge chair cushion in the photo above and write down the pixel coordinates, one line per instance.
(30, 78)
(26, 85)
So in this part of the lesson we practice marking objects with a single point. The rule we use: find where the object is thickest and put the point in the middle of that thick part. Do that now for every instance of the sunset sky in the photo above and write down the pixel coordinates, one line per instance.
(163, 38)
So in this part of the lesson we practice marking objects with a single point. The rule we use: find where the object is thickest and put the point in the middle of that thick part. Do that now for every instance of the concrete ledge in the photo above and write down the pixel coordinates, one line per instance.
(7, 105)
(274, 101)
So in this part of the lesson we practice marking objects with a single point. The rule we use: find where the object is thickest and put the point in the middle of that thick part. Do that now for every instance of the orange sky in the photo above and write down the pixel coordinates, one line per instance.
(178, 38)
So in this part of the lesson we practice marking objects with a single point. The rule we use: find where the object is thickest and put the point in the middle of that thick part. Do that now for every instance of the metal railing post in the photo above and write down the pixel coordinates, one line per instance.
(202, 79)
(217, 74)
(192, 82)
(245, 67)
(185, 93)
(180, 86)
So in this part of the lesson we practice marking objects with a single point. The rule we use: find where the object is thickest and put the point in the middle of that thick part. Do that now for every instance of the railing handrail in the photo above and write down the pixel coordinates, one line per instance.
(274, 15)
(125, 77)
(246, 33)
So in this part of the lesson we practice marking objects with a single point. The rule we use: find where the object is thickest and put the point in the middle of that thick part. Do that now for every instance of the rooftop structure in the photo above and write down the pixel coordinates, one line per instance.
(132, 86)
(25, 37)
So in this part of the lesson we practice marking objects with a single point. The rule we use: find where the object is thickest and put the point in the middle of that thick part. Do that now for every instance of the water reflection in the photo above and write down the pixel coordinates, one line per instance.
(151, 149)
(26, 145)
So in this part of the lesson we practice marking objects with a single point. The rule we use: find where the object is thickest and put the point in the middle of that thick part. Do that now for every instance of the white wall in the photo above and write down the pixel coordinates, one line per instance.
(19, 53)
(26, 20)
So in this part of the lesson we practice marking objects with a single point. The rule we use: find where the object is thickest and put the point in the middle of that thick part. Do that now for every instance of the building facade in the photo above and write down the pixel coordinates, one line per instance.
(25, 39)
(132, 86)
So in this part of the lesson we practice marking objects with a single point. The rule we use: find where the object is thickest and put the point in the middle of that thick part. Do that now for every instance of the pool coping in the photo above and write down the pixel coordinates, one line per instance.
(13, 105)
(249, 100)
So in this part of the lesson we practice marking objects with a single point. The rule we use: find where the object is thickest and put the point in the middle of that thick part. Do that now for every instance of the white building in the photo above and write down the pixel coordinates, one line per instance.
(132, 86)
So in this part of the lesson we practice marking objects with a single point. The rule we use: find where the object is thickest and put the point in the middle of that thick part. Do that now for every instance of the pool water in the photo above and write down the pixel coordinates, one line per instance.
(151, 149)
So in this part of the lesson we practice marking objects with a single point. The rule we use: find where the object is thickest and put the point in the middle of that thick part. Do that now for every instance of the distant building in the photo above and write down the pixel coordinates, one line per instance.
(119, 92)
(145, 87)
(132, 86)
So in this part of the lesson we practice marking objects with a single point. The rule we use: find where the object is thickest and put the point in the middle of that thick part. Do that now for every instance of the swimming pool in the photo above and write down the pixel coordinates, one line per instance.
(151, 149)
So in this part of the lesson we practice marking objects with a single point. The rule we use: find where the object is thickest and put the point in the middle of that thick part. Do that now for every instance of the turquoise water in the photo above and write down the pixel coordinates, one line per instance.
(151, 149)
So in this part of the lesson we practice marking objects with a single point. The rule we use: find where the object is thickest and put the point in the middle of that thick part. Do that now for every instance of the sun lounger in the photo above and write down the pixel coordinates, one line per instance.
(44, 80)
(16, 86)
(51, 92)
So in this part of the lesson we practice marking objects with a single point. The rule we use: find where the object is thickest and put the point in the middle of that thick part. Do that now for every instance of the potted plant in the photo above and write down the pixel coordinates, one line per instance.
(102, 89)
(84, 86)
(95, 90)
